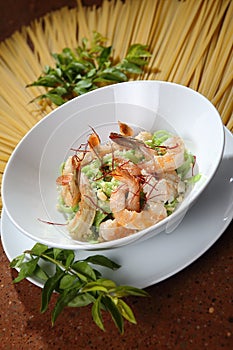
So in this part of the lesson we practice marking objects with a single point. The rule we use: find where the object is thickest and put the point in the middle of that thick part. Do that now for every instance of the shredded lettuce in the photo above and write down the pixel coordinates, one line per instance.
(99, 217)
(108, 186)
(170, 207)
(158, 138)
(92, 170)
(193, 179)
(186, 166)
(70, 211)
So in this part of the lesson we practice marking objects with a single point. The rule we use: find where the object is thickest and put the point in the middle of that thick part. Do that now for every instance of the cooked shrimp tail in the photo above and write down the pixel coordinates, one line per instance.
(79, 227)
(125, 129)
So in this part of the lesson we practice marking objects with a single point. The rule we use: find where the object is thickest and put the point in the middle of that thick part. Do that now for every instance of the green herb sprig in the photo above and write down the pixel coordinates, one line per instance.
(77, 283)
(87, 68)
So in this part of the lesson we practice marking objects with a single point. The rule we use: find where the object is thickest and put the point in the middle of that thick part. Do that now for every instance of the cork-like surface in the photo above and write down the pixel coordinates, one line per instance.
(192, 310)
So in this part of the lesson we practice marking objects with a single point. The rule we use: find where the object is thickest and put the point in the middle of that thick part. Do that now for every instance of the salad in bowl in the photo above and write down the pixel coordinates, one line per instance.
(114, 189)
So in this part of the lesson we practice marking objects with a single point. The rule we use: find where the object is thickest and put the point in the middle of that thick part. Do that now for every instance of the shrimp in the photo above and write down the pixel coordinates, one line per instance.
(69, 183)
(154, 163)
(125, 205)
(127, 220)
(129, 142)
(152, 213)
(127, 196)
(111, 229)
(171, 160)
(163, 189)
(128, 165)
(79, 226)
(130, 190)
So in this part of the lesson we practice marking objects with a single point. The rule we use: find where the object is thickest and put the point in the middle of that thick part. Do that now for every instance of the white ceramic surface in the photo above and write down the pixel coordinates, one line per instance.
(29, 188)
(146, 263)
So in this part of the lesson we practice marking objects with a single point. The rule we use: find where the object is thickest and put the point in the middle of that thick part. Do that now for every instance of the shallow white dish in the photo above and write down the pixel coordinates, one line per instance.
(151, 261)
(29, 184)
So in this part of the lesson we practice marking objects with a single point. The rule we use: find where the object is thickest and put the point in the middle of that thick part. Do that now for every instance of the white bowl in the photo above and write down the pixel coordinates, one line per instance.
(29, 184)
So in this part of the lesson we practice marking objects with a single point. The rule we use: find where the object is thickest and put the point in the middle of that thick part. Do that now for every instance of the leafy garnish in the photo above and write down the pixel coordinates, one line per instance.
(87, 68)
(77, 284)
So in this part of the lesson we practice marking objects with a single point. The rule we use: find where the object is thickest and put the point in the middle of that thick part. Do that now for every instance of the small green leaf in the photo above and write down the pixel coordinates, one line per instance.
(124, 291)
(102, 260)
(46, 69)
(80, 91)
(66, 256)
(39, 249)
(77, 67)
(126, 311)
(56, 99)
(82, 299)
(26, 269)
(69, 258)
(109, 284)
(50, 285)
(138, 54)
(67, 281)
(82, 86)
(84, 270)
(58, 72)
(59, 90)
(96, 313)
(63, 300)
(94, 287)
(130, 67)
(49, 254)
(114, 311)
(91, 73)
(85, 83)
(50, 80)
(57, 252)
(17, 262)
(40, 273)
(138, 50)
(104, 56)
(111, 74)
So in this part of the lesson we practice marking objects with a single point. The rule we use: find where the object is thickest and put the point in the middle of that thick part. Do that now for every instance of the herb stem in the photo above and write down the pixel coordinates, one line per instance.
(80, 286)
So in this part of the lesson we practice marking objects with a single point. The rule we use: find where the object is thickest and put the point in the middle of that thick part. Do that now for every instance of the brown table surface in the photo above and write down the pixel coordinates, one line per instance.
(191, 310)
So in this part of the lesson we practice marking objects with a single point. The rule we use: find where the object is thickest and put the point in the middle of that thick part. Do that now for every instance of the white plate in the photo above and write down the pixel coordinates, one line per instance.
(158, 258)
